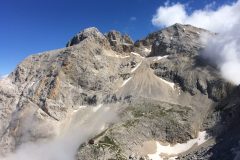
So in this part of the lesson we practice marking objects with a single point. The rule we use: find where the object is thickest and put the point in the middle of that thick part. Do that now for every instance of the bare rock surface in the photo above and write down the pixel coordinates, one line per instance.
(120, 43)
(163, 89)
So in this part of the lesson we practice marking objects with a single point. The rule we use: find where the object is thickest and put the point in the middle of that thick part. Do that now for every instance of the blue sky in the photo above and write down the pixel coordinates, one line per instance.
(32, 26)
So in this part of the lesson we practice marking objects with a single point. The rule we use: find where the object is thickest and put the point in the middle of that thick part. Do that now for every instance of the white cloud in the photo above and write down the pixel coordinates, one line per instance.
(133, 18)
(77, 129)
(223, 49)
(168, 15)
(218, 20)
(3, 76)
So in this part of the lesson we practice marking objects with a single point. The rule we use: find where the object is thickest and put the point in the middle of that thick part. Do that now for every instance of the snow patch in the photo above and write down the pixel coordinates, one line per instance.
(160, 57)
(134, 69)
(168, 83)
(126, 44)
(119, 56)
(31, 84)
(80, 107)
(179, 91)
(112, 54)
(103, 127)
(136, 54)
(126, 81)
(95, 109)
(173, 150)
(147, 50)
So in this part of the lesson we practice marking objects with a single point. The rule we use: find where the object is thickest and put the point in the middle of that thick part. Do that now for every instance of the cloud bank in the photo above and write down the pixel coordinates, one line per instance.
(3, 76)
(222, 19)
(222, 49)
(77, 129)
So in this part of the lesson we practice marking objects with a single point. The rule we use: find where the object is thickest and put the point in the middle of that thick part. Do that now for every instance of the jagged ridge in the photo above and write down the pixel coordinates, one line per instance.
(165, 98)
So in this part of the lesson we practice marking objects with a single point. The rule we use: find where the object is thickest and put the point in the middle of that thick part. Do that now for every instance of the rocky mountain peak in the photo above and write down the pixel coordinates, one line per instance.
(119, 42)
(178, 39)
(91, 33)
(175, 39)
(160, 87)
(113, 39)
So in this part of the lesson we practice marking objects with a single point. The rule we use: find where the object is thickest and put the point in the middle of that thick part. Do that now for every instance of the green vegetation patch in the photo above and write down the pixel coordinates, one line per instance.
(107, 143)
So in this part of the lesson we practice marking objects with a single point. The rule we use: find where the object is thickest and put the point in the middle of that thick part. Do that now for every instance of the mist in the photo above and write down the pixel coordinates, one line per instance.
(3, 76)
(223, 49)
(78, 127)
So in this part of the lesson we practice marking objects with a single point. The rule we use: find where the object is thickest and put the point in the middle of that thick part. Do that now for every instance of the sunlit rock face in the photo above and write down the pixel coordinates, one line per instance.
(178, 39)
(158, 89)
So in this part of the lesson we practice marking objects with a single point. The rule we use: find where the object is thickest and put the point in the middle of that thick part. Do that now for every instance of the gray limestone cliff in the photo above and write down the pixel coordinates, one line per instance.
(161, 86)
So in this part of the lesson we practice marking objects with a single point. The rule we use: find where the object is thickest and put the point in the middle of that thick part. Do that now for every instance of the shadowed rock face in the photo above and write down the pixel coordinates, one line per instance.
(120, 43)
(167, 99)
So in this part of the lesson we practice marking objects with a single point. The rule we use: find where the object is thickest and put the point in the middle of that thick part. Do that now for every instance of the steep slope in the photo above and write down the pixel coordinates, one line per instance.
(160, 89)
